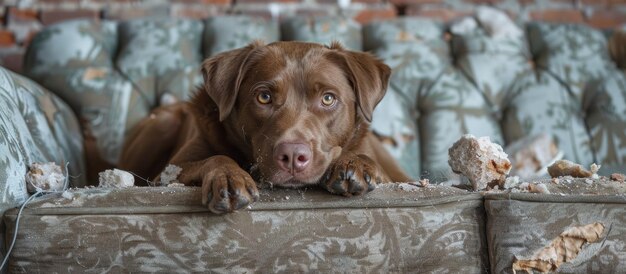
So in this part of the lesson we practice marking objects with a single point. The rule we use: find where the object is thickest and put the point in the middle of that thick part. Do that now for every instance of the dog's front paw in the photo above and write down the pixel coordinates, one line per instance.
(352, 175)
(228, 188)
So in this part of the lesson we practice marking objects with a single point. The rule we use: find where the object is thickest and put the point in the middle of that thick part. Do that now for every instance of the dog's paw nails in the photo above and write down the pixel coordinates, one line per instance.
(228, 190)
(352, 176)
(371, 185)
(338, 186)
(355, 187)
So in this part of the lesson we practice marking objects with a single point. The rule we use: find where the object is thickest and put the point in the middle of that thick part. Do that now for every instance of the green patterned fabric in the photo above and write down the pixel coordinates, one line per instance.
(522, 224)
(75, 60)
(218, 35)
(323, 30)
(574, 54)
(35, 127)
(549, 78)
(556, 79)
(605, 105)
(165, 230)
(114, 73)
(417, 56)
(447, 81)
(160, 56)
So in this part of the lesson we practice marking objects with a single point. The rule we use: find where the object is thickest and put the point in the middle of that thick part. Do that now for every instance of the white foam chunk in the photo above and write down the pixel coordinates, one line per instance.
(480, 160)
(44, 177)
(116, 178)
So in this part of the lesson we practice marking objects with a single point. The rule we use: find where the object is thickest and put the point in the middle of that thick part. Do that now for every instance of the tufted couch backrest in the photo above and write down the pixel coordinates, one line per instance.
(550, 78)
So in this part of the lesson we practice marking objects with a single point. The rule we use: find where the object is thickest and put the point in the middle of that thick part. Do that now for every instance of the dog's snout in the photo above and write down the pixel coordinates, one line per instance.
(293, 157)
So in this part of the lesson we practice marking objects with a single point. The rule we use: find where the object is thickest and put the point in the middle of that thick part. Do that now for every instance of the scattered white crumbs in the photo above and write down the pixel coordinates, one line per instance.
(67, 195)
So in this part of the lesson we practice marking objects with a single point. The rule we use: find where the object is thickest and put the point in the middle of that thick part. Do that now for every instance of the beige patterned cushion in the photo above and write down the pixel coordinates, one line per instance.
(432, 230)
(521, 224)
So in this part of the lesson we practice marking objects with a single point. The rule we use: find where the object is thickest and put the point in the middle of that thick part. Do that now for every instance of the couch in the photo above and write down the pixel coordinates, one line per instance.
(96, 80)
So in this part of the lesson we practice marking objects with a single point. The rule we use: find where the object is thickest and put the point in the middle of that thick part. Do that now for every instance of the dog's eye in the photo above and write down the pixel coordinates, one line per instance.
(328, 99)
(264, 98)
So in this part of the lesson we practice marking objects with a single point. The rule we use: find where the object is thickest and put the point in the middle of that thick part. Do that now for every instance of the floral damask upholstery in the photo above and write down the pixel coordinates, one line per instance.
(548, 78)
(165, 230)
(556, 79)
(114, 73)
(520, 224)
(35, 126)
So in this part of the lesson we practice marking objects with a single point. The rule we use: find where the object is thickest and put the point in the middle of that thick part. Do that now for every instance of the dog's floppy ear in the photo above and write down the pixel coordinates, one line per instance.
(367, 75)
(223, 74)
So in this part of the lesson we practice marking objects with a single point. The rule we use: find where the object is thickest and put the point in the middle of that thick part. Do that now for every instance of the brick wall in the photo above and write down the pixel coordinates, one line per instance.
(21, 19)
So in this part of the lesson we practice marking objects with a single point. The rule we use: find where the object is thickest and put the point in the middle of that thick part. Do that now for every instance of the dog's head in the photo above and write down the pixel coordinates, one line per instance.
(294, 106)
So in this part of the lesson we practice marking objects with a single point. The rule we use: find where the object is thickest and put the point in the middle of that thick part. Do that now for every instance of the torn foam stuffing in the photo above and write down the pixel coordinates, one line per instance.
(619, 177)
(562, 168)
(116, 178)
(484, 163)
(169, 175)
(530, 156)
(44, 177)
(562, 249)
(532, 188)
(497, 23)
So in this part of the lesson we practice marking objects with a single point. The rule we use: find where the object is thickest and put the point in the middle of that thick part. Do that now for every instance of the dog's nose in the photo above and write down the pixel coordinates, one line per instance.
(293, 157)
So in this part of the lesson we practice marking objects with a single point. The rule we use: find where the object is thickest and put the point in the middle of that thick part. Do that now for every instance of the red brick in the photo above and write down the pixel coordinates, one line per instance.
(406, 2)
(29, 38)
(124, 13)
(22, 14)
(526, 2)
(558, 16)
(54, 16)
(264, 1)
(256, 12)
(594, 2)
(567, 2)
(13, 60)
(195, 11)
(59, 1)
(353, 1)
(442, 14)
(606, 19)
(483, 2)
(375, 14)
(313, 12)
(209, 2)
(22, 22)
(7, 39)
(111, 2)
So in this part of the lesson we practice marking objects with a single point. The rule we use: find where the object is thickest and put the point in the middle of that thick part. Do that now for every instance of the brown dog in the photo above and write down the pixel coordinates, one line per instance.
(290, 113)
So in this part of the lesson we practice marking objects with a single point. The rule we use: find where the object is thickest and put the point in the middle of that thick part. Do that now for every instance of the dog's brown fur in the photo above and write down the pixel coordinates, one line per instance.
(227, 134)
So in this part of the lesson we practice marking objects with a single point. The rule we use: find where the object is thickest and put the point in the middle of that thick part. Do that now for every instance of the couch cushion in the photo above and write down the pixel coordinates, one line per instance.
(114, 73)
(323, 29)
(75, 60)
(35, 126)
(445, 82)
(557, 79)
(417, 52)
(392, 229)
(219, 36)
(521, 224)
